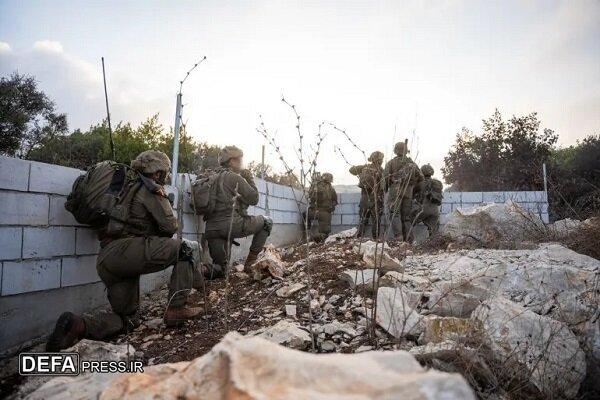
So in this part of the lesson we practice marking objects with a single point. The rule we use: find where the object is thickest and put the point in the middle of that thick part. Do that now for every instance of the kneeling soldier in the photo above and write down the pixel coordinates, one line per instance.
(143, 246)
(235, 191)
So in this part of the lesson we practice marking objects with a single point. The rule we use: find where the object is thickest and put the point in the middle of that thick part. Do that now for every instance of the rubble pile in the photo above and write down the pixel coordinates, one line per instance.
(524, 322)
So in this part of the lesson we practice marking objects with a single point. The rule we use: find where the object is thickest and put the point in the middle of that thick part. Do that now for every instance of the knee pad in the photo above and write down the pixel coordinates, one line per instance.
(189, 251)
(268, 226)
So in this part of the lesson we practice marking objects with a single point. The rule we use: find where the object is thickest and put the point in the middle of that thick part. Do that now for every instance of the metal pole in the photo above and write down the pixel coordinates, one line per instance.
(262, 163)
(112, 144)
(263, 178)
(545, 179)
(176, 140)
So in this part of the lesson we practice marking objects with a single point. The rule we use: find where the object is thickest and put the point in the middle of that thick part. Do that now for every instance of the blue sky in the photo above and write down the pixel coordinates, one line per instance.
(378, 69)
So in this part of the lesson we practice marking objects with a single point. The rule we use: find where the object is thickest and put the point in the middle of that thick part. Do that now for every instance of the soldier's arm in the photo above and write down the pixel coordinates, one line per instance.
(356, 169)
(162, 212)
(246, 188)
(334, 201)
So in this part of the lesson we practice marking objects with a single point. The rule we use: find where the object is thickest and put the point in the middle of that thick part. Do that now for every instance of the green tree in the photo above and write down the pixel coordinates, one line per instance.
(507, 155)
(27, 116)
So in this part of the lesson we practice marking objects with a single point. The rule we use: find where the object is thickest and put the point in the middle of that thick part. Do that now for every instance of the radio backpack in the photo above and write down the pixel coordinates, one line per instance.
(96, 193)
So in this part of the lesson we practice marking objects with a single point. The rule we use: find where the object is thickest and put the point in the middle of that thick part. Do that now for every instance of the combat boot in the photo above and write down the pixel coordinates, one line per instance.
(251, 259)
(178, 315)
(69, 329)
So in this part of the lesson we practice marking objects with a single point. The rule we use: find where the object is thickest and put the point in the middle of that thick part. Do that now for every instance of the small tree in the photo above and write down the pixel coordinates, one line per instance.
(27, 116)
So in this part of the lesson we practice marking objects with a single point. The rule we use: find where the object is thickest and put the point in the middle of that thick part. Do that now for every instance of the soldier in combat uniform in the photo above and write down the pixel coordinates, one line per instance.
(371, 193)
(236, 191)
(145, 245)
(428, 198)
(322, 202)
(401, 175)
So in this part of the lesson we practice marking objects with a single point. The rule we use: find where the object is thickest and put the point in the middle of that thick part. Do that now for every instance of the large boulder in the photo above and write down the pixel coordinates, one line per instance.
(253, 368)
(492, 222)
(535, 348)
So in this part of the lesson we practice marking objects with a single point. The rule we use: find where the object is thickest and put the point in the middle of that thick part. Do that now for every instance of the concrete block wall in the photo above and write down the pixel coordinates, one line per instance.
(346, 213)
(48, 260)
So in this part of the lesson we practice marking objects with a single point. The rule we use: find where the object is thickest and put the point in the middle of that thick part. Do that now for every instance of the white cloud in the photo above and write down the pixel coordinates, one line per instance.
(48, 45)
(4, 47)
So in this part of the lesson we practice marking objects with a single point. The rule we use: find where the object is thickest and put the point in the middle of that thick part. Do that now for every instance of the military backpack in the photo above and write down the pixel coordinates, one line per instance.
(96, 193)
(433, 191)
(205, 191)
(369, 178)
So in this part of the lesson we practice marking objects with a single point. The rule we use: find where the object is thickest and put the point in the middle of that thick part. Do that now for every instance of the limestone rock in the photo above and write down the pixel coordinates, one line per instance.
(438, 329)
(253, 368)
(289, 290)
(544, 350)
(375, 256)
(285, 333)
(268, 264)
(360, 278)
(395, 278)
(491, 222)
(347, 234)
(395, 315)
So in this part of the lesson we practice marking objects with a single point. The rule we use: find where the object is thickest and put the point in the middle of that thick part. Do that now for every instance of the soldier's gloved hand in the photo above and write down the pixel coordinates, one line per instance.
(247, 175)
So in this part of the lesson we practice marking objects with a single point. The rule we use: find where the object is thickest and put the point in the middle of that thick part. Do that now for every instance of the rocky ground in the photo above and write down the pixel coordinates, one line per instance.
(521, 322)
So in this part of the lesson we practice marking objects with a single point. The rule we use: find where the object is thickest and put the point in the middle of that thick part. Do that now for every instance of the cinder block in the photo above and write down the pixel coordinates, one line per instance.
(30, 276)
(79, 271)
(261, 200)
(278, 217)
(23, 208)
(274, 203)
(522, 197)
(189, 223)
(289, 205)
(278, 190)
(471, 197)
(353, 197)
(336, 219)
(349, 219)
(546, 218)
(47, 178)
(48, 242)
(348, 208)
(260, 185)
(493, 197)
(299, 195)
(86, 241)
(452, 197)
(446, 208)
(58, 214)
(15, 174)
(10, 243)
(288, 192)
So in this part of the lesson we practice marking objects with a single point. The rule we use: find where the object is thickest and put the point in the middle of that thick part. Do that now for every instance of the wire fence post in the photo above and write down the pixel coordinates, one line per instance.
(176, 140)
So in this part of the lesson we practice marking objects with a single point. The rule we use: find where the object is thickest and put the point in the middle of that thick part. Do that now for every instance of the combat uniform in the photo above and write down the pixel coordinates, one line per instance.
(143, 246)
(371, 193)
(428, 198)
(401, 174)
(322, 203)
(232, 214)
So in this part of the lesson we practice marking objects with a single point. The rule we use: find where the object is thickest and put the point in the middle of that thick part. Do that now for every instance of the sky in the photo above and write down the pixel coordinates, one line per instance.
(381, 70)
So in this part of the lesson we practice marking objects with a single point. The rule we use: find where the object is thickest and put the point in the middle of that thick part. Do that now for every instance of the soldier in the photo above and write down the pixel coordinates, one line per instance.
(322, 201)
(428, 196)
(401, 174)
(371, 193)
(236, 191)
(144, 245)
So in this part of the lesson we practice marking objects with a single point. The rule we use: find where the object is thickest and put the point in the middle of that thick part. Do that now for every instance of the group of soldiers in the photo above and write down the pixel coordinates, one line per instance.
(413, 196)
(146, 243)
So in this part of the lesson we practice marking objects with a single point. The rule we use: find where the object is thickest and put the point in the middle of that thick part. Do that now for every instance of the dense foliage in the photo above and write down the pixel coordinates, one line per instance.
(508, 155)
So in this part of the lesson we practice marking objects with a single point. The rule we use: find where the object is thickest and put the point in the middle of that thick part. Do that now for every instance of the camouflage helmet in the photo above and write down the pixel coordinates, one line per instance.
(229, 152)
(327, 177)
(376, 157)
(400, 149)
(151, 161)
(427, 170)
